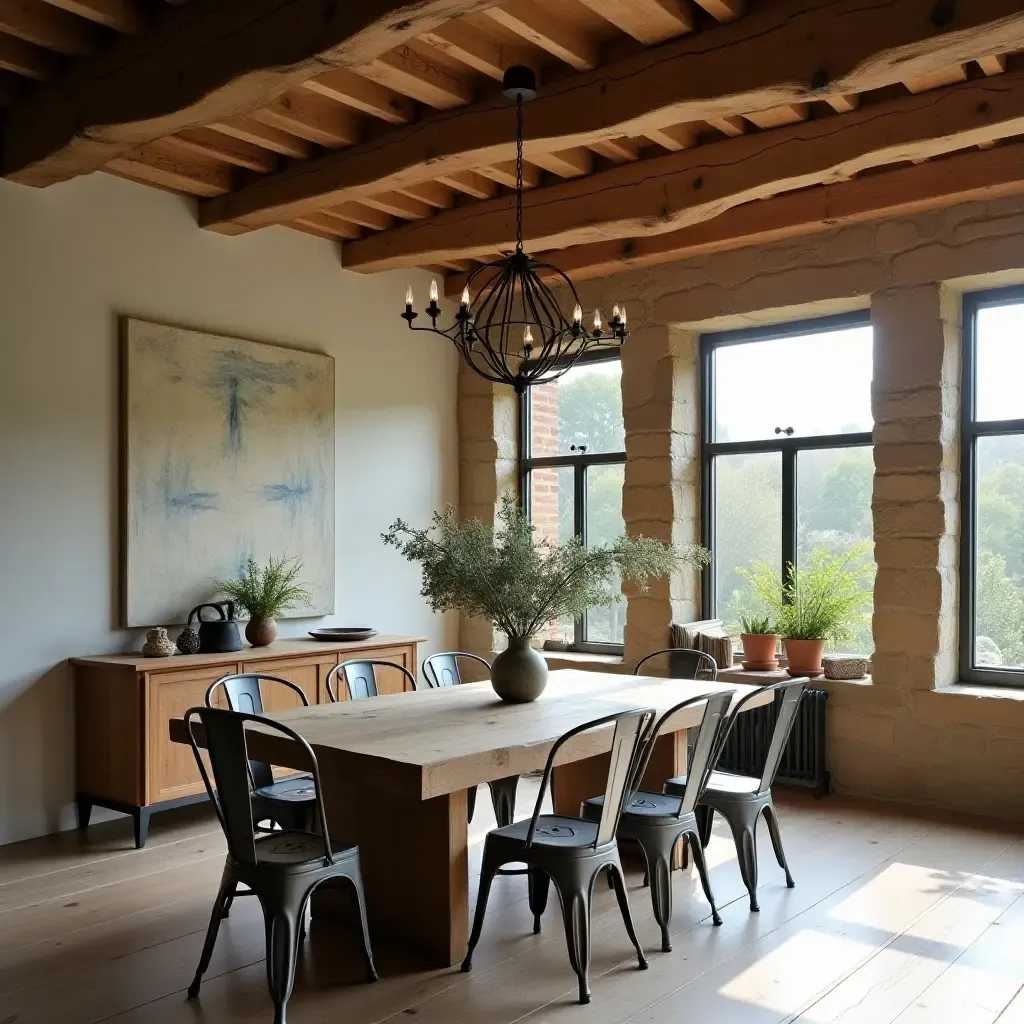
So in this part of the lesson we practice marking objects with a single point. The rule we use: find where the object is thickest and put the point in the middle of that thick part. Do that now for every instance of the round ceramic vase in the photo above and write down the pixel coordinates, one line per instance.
(261, 632)
(519, 674)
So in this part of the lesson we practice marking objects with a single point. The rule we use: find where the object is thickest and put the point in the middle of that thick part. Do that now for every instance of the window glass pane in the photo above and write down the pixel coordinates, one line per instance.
(814, 383)
(582, 407)
(551, 512)
(605, 525)
(999, 525)
(833, 500)
(748, 526)
(1000, 355)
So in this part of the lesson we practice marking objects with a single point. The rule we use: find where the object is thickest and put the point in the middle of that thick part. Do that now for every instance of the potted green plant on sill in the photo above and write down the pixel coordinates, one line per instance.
(814, 606)
(519, 585)
(264, 593)
(760, 643)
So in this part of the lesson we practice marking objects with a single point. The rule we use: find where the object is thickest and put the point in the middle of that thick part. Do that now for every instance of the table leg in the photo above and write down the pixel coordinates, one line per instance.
(414, 860)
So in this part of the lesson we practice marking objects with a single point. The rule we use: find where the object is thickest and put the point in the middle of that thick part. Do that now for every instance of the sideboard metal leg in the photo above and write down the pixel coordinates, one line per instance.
(83, 810)
(141, 817)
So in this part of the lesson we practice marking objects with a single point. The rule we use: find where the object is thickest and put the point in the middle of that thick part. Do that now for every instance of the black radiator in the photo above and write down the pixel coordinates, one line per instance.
(803, 760)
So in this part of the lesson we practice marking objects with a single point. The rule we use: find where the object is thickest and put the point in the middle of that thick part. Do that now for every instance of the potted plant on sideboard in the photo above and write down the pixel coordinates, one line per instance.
(264, 593)
(816, 605)
(520, 584)
(760, 643)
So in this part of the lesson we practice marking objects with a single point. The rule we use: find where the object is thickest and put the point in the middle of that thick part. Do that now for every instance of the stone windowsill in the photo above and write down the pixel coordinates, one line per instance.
(1014, 693)
(589, 662)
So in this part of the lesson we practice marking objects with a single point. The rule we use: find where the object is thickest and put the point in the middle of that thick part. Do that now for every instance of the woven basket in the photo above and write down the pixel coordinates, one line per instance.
(845, 666)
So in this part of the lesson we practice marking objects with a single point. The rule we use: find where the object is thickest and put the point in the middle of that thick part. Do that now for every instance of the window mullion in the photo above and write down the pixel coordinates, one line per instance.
(580, 529)
(789, 509)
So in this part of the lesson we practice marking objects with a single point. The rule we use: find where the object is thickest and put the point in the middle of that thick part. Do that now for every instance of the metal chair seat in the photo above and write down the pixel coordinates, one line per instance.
(293, 789)
(724, 783)
(296, 851)
(646, 806)
(553, 832)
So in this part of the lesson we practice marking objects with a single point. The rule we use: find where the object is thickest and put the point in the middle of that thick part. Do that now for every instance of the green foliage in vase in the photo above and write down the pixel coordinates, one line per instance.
(264, 593)
(823, 601)
(519, 584)
(757, 624)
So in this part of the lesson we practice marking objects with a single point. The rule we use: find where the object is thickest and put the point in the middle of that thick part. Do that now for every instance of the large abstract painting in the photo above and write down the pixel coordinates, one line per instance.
(229, 454)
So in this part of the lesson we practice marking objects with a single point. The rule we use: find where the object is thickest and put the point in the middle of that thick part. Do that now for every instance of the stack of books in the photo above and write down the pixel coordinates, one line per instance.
(709, 636)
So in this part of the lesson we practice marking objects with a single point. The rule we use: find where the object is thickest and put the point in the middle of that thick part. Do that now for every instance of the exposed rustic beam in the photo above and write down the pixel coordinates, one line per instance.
(274, 139)
(431, 192)
(566, 163)
(674, 137)
(680, 189)
(26, 58)
(649, 21)
(312, 118)
(202, 62)
(963, 177)
(162, 164)
(47, 26)
(723, 10)
(619, 151)
(728, 125)
(470, 183)
(543, 28)
(994, 64)
(121, 15)
(410, 71)
(772, 57)
(778, 116)
(361, 93)
(209, 143)
(944, 76)
(398, 205)
(466, 43)
(504, 173)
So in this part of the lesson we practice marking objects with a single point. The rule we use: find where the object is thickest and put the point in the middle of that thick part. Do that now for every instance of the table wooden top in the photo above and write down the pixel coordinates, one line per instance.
(432, 742)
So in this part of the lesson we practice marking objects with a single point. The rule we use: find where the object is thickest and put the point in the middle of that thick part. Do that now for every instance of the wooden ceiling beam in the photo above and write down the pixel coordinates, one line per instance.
(974, 175)
(47, 26)
(673, 191)
(937, 79)
(363, 94)
(363, 215)
(431, 192)
(504, 173)
(325, 227)
(413, 73)
(674, 137)
(201, 63)
(619, 151)
(791, 113)
(723, 10)
(566, 163)
(26, 58)
(754, 63)
(209, 143)
(312, 118)
(470, 183)
(161, 164)
(398, 205)
(994, 64)
(277, 141)
(647, 21)
(464, 42)
(545, 29)
(128, 16)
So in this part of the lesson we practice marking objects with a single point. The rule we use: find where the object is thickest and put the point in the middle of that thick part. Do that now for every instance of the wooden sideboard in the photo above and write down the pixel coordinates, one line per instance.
(124, 759)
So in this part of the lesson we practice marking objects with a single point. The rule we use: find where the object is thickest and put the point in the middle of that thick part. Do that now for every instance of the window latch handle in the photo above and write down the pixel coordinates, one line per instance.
(788, 431)
(581, 448)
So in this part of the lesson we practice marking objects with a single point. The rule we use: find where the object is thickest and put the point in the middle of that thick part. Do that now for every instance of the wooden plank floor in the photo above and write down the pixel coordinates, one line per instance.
(898, 917)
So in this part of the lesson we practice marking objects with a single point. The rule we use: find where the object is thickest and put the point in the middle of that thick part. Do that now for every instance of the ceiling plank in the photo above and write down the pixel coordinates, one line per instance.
(791, 113)
(504, 173)
(398, 205)
(364, 216)
(201, 63)
(26, 58)
(312, 118)
(412, 73)
(756, 62)
(844, 104)
(647, 21)
(566, 163)
(618, 150)
(344, 227)
(431, 192)
(209, 143)
(544, 29)
(937, 79)
(160, 164)
(277, 141)
(47, 26)
(470, 183)
(723, 10)
(673, 191)
(730, 126)
(994, 64)
(324, 227)
(674, 137)
(963, 177)
(128, 16)
(361, 93)
(464, 42)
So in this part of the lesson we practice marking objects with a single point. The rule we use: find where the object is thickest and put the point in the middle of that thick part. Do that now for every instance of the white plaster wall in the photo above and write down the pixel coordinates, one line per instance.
(72, 259)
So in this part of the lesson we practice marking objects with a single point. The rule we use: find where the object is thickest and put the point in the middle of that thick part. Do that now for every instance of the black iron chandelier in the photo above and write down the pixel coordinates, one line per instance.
(509, 326)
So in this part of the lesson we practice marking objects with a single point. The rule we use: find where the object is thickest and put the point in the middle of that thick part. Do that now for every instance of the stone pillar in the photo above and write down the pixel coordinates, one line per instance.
(916, 399)
(660, 496)
(488, 439)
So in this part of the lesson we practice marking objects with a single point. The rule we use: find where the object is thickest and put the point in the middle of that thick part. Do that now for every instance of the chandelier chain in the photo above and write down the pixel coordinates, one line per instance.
(519, 173)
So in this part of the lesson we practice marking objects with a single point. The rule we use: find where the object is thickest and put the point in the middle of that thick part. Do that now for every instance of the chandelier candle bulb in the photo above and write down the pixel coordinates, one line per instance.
(577, 313)
(433, 290)
(597, 321)
(465, 296)
(408, 297)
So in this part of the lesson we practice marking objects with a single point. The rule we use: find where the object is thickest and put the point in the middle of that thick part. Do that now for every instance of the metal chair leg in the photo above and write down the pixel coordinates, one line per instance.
(745, 837)
(282, 950)
(659, 868)
(576, 918)
(619, 884)
(487, 872)
(503, 799)
(705, 819)
(357, 884)
(227, 888)
(773, 830)
(537, 884)
(470, 803)
(702, 870)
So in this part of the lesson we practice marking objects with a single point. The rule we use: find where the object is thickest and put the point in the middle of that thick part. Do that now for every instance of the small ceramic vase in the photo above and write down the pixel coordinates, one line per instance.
(519, 674)
(261, 632)
(157, 644)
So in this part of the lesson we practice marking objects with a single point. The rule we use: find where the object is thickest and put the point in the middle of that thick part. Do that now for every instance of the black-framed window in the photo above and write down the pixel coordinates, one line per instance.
(572, 458)
(787, 462)
(992, 489)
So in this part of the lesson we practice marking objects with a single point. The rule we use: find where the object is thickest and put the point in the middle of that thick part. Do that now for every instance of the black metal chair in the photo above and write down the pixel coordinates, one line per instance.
(360, 677)
(571, 852)
(658, 821)
(684, 663)
(741, 799)
(441, 670)
(282, 868)
(289, 802)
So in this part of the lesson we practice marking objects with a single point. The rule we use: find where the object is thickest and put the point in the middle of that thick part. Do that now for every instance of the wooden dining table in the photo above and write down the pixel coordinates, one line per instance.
(396, 769)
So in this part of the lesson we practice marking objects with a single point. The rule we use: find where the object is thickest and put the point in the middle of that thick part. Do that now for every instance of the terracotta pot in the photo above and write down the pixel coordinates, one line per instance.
(519, 674)
(804, 657)
(261, 632)
(759, 651)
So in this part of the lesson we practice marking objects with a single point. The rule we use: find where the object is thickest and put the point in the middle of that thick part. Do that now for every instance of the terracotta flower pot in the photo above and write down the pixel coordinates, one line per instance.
(759, 651)
(804, 657)
(261, 632)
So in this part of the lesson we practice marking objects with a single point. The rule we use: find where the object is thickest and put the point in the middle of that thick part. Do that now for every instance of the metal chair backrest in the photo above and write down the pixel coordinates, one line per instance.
(702, 756)
(360, 677)
(788, 693)
(443, 669)
(684, 663)
(631, 731)
(224, 739)
(243, 693)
